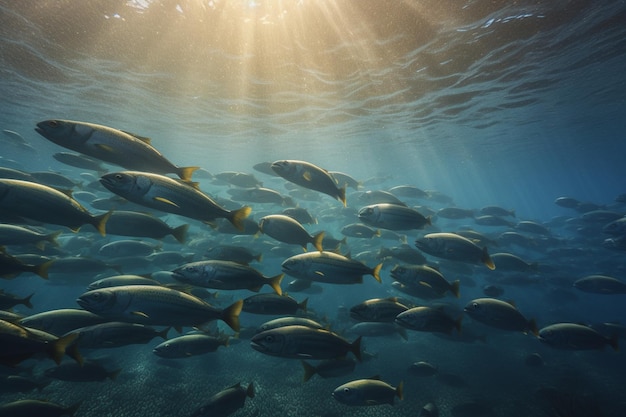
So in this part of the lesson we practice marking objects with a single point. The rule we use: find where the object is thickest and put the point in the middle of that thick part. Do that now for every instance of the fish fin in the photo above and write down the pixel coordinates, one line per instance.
(236, 217)
(317, 241)
(230, 315)
(113, 374)
(185, 173)
(163, 333)
(140, 314)
(26, 301)
(166, 201)
(532, 326)
(320, 273)
(180, 233)
(250, 390)
(259, 257)
(613, 342)
(429, 220)
(342, 195)
(486, 259)
(59, 346)
(355, 347)
(376, 272)
(52, 237)
(99, 222)
(400, 390)
(274, 282)
(455, 288)
(425, 284)
(42, 269)
(144, 139)
(303, 304)
(309, 371)
(402, 332)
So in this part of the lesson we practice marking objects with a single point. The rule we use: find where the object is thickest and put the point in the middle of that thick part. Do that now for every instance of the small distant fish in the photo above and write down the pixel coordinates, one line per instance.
(289, 321)
(310, 176)
(110, 145)
(225, 402)
(380, 197)
(300, 214)
(423, 369)
(567, 202)
(572, 336)
(455, 213)
(359, 230)
(189, 345)
(533, 227)
(11, 266)
(233, 253)
(496, 211)
(114, 334)
(239, 179)
(408, 191)
(367, 392)
(86, 372)
(509, 262)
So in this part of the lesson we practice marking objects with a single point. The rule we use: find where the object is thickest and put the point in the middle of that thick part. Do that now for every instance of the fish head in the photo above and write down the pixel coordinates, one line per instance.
(164, 350)
(98, 301)
(63, 132)
(126, 183)
(347, 394)
(369, 214)
(359, 312)
(282, 167)
(192, 272)
(293, 266)
(398, 271)
(476, 309)
(270, 342)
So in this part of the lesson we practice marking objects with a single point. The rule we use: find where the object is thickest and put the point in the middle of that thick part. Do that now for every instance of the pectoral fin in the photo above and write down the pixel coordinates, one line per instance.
(166, 201)
(140, 314)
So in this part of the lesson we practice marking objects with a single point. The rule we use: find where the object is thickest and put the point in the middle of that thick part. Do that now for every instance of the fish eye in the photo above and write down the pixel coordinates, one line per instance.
(346, 390)
(118, 176)
(475, 306)
(53, 123)
(269, 338)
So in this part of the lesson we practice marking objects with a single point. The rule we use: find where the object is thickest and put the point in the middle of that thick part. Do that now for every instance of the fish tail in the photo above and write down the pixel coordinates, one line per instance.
(42, 269)
(486, 259)
(355, 348)
(163, 333)
(237, 217)
(457, 324)
(26, 301)
(342, 195)
(309, 371)
(456, 288)
(59, 346)
(402, 333)
(259, 257)
(613, 342)
(185, 173)
(275, 283)
(376, 272)
(303, 304)
(100, 222)
(317, 241)
(230, 315)
(400, 390)
(113, 374)
(52, 237)
(250, 390)
(429, 220)
(180, 233)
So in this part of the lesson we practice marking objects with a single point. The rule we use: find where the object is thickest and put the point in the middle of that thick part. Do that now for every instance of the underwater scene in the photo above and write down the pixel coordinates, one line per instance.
(312, 208)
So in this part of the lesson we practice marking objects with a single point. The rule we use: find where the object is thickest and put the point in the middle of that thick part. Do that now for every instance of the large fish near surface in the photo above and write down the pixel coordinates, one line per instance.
(310, 176)
(47, 205)
(455, 248)
(328, 267)
(148, 304)
(110, 145)
(171, 196)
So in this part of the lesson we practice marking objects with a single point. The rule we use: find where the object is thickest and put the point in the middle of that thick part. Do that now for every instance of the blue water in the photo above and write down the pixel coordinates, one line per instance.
(489, 103)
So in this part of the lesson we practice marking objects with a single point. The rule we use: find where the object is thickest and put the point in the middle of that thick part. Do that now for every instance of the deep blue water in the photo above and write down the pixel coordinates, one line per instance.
(487, 102)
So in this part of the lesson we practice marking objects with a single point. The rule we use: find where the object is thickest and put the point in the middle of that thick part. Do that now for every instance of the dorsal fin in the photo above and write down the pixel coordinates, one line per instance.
(141, 138)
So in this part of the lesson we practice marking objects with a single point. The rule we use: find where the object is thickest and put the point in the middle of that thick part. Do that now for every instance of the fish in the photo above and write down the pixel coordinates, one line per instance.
(404, 253)
(47, 205)
(239, 179)
(455, 213)
(189, 345)
(380, 197)
(273, 304)
(367, 392)
(359, 230)
(23, 408)
(289, 321)
(61, 321)
(8, 301)
(126, 247)
(303, 342)
(509, 262)
(288, 230)
(344, 179)
(328, 267)
(423, 369)
(11, 266)
(383, 310)
(454, 247)
(17, 235)
(500, 315)
(89, 371)
(310, 176)
(225, 402)
(377, 329)
(573, 336)
(393, 217)
(496, 211)
(135, 224)
(171, 196)
(300, 214)
(428, 319)
(78, 161)
(233, 253)
(110, 145)
(225, 275)
(424, 275)
(114, 334)
(156, 305)
(329, 368)
(600, 284)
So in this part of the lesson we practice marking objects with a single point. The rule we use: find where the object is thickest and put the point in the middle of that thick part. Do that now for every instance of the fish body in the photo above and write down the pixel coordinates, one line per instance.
(225, 275)
(367, 392)
(392, 217)
(499, 314)
(423, 275)
(309, 176)
(189, 345)
(18, 235)
(237, 254)
(454, 247)
(329, 368)
(377, 310)
(289, 321)
(288, 230)
(572, 336)
(31, 408)
(303, 342)
(225, 402)
(110, 145)
(600, 284)
(156, 305)
(274, 304)
(428, 319)
(61, 321)
(47, 205)
(509, 262)
(11, 266)
(359, 230)
(328, 267)
(455, 213)
(134, 224)
(115, 334)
